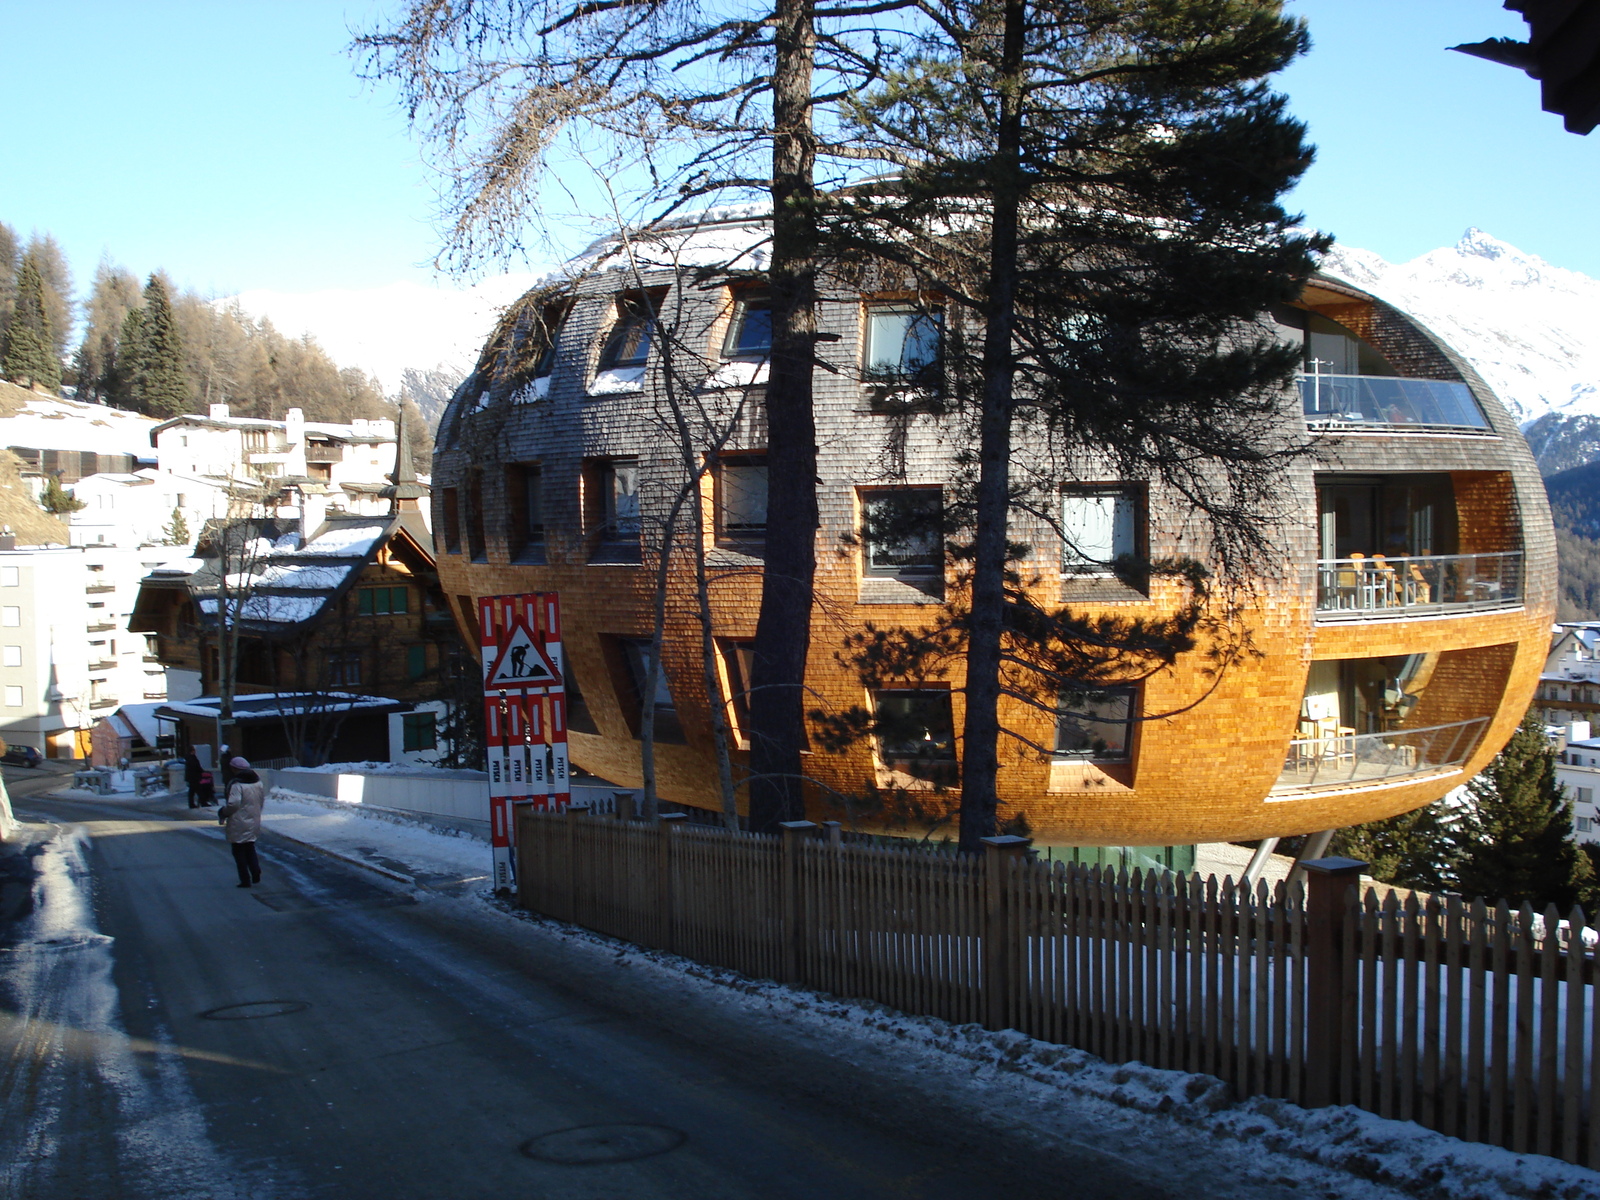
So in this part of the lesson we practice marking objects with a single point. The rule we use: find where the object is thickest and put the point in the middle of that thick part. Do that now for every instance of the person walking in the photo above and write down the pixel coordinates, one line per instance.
(192, 770)
(242, 815)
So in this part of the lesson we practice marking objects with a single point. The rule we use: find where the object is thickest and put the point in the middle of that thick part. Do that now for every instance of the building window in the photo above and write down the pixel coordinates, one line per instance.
(579, 718)
(629, 342)
(10, 616)
(416, 661)
(344, 670)
(524, 510)
(9, 577)
(741, 497)
(548, 335)
(382, 601)
(418, 731)
(1096, 722)
(916, 733)
(611, 505)
(667, 727)
(450, 519)
(1098, 526)
(13, 656)
(750, 330)
(904, 344)
(738, 661)
(475, 543)
(901, 531)
(1585, 795)
(13, 697)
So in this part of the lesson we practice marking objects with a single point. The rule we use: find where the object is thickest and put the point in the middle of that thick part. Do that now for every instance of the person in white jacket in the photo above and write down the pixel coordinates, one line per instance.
(242, 815)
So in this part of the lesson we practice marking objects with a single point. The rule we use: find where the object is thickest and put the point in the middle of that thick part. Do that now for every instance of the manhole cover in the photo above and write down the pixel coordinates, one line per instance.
(586, 1145)
(252, 1009)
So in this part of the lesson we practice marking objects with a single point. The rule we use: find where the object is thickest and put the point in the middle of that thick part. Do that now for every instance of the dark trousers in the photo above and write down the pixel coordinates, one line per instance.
(244, 857)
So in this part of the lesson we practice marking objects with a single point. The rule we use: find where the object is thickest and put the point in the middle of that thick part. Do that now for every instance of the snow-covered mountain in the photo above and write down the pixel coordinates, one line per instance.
(1531, 329)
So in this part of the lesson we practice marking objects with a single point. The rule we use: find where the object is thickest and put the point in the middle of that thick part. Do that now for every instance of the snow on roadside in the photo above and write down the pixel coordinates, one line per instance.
(1377, 1156)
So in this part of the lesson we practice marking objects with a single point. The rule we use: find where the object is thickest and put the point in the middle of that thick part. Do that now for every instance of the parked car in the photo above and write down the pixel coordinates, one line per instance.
(21, 756)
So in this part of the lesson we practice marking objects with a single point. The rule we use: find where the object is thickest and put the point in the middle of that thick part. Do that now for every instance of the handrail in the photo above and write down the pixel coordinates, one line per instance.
(1417, 585)
(1389, 402)
(1341, 758)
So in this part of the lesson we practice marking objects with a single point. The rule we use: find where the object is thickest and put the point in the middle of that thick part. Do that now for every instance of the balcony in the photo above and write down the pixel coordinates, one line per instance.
(97, 703)
(1360, 588)
(98, 589)
(101, 627)
(1341, 402)
(324, 454)
(103, 664)
(1341, 758)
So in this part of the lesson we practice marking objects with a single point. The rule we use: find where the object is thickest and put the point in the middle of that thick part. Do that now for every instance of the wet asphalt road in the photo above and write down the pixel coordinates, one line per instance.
(164, 1033)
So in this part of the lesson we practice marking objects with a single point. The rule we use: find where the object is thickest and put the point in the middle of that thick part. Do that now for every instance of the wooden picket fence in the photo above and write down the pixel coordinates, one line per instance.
(1476, 1021)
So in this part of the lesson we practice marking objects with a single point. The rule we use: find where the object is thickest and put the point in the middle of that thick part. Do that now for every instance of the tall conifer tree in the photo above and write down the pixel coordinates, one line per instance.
(28, 356)
(160, 386)
(1518, 835)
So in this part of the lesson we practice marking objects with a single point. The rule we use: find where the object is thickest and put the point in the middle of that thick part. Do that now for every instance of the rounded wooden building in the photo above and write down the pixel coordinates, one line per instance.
(1391, 655)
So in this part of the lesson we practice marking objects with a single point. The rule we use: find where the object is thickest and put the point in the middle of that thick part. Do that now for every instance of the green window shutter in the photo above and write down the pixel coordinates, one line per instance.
(399, 602)
(364, 602)
(416, 661)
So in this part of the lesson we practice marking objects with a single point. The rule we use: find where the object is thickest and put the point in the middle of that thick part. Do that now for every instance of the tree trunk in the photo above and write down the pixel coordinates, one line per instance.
(783, 630)
(980, 750)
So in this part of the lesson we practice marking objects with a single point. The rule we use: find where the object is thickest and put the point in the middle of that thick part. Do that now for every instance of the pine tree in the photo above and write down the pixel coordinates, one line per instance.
(1518, 833)
(27, 356)
(124, 369)
(56, 499)
(177, 530)
(10, 260)
(1419, 849)
(160, 386)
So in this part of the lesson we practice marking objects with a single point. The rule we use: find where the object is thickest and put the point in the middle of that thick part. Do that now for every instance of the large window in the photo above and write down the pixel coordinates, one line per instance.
(619, 486)
(383, 601)
(344, 670)
(902, 531)
(628, 344)
(524, 510)
(476, 548)
(741, 494)
(904, 344)
(738, 661)
(667, 727)
(1096, 722)
(916, 733)
(546, 337)
(750, 330)
(1098, 526)
(418, 731)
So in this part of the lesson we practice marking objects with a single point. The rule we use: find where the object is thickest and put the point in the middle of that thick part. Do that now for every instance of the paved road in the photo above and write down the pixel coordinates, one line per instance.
(166, 1034)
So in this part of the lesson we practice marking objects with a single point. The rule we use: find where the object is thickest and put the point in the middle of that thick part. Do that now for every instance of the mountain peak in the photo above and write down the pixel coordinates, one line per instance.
(1480, 245)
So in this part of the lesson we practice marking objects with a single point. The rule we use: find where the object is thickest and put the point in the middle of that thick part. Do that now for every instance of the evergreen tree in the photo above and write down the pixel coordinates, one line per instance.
(177, 530)
(114, 294)
(1518, 835)
(160, 386)
(28, 356)
(1419, 849)
(10, 260)
(124, 367)
(56, 499)
(56, 275)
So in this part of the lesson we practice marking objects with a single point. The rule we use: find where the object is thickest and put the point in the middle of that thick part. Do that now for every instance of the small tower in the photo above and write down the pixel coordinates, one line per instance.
(404, 492)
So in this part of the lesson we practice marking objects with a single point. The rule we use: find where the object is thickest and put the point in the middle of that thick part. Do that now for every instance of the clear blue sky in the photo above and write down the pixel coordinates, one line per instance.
(230, 142)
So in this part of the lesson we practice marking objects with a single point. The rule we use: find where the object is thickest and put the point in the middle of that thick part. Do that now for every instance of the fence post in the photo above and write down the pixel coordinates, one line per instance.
(666, 823)
(793, 911)
(1328, 990)
(624, 802)
(999, 855)
(570, 847)
(834, 832)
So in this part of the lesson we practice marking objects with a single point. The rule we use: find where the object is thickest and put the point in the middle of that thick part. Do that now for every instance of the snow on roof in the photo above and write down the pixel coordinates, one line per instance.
(273, 704)
(140, 719)
(298, 575)
(735, 237)
(345, 541)
(48, 423)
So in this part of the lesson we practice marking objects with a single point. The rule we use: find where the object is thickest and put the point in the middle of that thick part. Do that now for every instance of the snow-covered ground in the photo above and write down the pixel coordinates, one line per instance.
(1335, 1152)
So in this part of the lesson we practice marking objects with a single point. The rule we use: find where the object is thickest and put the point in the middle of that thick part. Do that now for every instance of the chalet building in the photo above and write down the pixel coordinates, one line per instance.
(1398, 646)
(324, 604)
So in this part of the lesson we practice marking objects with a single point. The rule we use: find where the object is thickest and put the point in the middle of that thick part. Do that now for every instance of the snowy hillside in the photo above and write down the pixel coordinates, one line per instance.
(1532, 330)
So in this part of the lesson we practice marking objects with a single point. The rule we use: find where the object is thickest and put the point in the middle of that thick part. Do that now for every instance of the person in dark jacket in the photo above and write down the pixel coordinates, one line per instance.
(192, 770)
(242, 815)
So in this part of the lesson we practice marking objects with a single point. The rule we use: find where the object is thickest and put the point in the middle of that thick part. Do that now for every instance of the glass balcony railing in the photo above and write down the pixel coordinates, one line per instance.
(1388, 402)
(1341, 758)
(1379, 588)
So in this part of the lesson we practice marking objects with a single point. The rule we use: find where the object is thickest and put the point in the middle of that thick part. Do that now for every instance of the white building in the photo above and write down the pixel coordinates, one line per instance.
(137, 509)
(66, 656)
(226, 447)
(1578, 770)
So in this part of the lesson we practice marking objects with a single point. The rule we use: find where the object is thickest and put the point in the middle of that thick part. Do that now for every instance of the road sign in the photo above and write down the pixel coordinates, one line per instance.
(524, 716)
